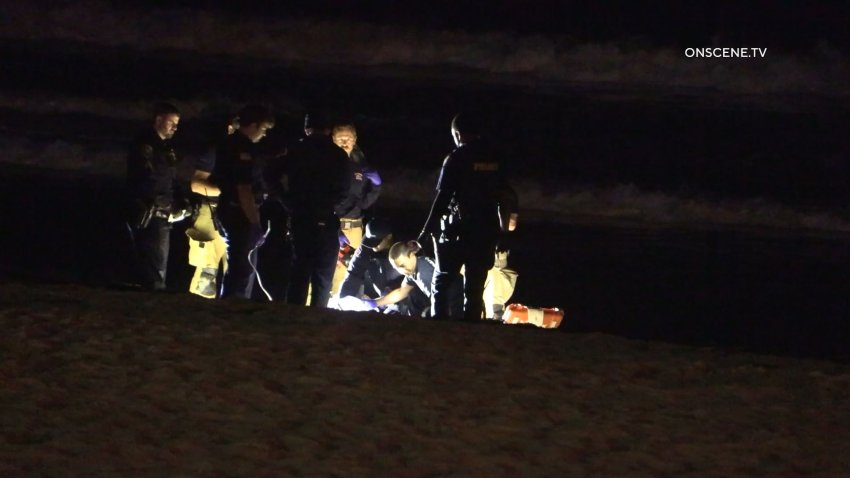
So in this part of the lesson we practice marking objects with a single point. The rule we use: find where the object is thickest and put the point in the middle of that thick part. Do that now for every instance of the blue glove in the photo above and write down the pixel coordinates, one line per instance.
(372, 176)
(371, 303)
(257, 237)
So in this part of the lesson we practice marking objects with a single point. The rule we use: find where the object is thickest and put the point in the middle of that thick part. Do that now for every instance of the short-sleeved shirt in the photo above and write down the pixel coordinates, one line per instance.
(423, 276)
(238, 164)
(151, 170)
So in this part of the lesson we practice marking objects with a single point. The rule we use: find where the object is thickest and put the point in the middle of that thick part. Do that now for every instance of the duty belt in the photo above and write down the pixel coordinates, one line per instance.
(161, 213)
(345, 223)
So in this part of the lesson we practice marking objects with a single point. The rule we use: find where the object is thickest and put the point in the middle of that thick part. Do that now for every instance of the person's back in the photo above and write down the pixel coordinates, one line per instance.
(317, 173)
(318, 179)
(473, 199)
(473, 177)
(369, 273)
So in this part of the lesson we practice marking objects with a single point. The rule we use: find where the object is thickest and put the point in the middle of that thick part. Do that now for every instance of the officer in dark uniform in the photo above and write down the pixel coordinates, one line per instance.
(472, 207)
(151, 178)
(239, 174)
(318, 180)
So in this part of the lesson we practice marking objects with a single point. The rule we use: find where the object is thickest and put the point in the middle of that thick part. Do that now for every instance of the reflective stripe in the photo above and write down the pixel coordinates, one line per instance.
(350, 223)
(535, 316)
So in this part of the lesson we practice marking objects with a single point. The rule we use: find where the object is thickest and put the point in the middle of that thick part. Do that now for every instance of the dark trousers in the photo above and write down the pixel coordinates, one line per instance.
(151, 247)
(315, 245)
(240, 276)
(477, 253)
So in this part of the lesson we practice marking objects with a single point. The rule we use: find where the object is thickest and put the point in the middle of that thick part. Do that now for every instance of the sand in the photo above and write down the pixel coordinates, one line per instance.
(110, 383)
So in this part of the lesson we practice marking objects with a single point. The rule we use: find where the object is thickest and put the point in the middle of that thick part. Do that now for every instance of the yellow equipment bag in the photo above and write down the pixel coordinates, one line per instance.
(207, 251)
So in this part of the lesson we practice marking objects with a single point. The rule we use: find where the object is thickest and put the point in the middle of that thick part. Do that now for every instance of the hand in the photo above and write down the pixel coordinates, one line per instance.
(373, 176)
(370, 303)
(257, 237)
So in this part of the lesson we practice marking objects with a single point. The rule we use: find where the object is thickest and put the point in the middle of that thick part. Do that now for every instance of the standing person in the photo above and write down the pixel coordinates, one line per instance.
(365, 185)
(318, 180)
(363, 192)
(207, 247)
(150, 183)
(239, 174)
(473, 205)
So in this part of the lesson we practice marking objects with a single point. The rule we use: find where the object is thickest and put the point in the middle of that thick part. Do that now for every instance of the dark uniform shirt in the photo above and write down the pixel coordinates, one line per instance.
(151, 171)
(423, 276)
(365, 187)
(238, 164)
(317, 177)
(206, 161)
(370, 270)
(473, 180)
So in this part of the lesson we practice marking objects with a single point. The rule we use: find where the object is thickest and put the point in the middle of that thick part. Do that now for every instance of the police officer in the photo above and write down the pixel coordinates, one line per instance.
(473, 204)
(239, 174)
(150, 183)
(318, 180)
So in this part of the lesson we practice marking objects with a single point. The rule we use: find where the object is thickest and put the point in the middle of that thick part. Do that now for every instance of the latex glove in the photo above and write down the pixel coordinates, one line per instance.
(373, 176)
(355, 304)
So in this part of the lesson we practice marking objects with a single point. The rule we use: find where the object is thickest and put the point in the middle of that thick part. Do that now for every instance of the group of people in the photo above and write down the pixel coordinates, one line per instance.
(325, 189)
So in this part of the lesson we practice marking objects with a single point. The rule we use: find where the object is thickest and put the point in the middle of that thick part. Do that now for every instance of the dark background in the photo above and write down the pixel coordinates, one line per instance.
(789, 25)
(779, 291)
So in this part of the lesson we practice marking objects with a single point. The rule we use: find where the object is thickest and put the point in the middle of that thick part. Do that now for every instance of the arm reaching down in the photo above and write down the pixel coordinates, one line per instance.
(395, 296)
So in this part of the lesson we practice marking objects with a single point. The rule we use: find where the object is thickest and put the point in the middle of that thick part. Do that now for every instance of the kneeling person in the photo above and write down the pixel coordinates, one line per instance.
(371, 275)
(418, 274)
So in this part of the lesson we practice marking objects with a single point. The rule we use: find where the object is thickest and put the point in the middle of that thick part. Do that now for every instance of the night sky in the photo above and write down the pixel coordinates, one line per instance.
(787, 25)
